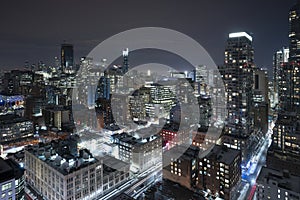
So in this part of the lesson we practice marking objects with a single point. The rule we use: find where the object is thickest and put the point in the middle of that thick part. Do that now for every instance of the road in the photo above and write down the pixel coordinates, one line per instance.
(252, 173)
(136, 185)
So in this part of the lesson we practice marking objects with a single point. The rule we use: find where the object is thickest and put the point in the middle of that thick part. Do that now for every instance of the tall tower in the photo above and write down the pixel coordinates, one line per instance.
(125, 61)
(292, 71)
(280, 61)
(67, 57)
(284, 152)
(294, 32)
(238, 78)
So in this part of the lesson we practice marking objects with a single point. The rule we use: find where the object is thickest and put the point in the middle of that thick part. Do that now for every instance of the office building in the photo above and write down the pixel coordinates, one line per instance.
(104, 113)
(280, 61)
(205, 140)
(14, 128)
(162, 99)
(294, 32)
(141, 153)
(137, 104)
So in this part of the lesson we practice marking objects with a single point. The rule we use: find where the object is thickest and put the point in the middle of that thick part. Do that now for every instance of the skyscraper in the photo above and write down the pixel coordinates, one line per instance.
(238, 78)
(291, 73)
(103, 89)
(67, 57)
(284, 152)
(125, 61)
(294, 32)
(280, 60)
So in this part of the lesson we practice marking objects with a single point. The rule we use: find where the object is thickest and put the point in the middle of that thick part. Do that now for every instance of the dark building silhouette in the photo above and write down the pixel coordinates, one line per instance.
(67, 57)
(12, 180)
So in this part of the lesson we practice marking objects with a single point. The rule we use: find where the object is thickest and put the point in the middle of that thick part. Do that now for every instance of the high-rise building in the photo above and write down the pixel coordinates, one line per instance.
(294, 32)
(261, 101)
(103, 89)
(280, 60)
(238, 76)
(291, 72)
(67, 57)
(239, 55)
(137, 104)
(125, 61)
(284, 152)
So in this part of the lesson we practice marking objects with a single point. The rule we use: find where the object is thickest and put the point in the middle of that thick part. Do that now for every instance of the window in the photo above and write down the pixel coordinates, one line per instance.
(6, 186)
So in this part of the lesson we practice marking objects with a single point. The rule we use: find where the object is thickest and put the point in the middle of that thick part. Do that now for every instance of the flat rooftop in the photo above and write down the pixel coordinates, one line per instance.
(284, 179)
(223, 154)
(112, 164)
(63, 156)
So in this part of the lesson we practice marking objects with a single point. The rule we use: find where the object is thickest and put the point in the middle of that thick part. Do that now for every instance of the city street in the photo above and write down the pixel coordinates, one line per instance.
(252, 173)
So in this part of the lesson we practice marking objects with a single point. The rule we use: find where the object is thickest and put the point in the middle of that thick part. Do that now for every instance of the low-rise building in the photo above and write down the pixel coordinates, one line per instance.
(182, 169)
(141, 153)
(273, 184)
(220, 171)
(57, 170)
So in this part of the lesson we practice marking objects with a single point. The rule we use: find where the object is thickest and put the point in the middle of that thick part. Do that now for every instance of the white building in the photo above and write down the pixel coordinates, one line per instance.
(56, 172)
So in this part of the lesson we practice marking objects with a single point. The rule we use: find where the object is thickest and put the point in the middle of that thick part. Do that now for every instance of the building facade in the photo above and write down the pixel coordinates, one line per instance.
(12, 180)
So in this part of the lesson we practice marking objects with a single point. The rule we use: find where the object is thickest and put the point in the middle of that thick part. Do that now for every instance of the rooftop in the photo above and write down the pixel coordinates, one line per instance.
(62, 155)
(283, 179)
(223, 154)
(134, 140)
(9, 169)
(240, 34)
(112, 164)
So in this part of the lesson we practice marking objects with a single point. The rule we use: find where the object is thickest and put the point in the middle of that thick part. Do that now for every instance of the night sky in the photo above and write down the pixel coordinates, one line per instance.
(33, 30)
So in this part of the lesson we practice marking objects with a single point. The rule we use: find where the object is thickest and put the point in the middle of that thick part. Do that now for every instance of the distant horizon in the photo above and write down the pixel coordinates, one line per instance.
(32, 32)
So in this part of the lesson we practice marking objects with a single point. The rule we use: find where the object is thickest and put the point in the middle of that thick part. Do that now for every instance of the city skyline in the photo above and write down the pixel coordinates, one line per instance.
(153, 111)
